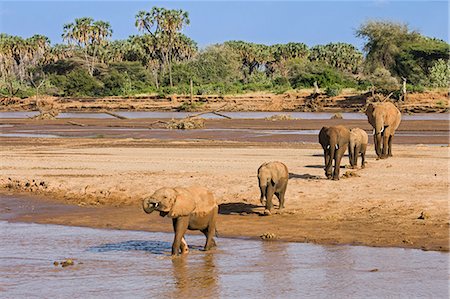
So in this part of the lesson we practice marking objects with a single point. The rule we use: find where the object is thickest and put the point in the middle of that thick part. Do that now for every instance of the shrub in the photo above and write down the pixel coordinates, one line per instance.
(382, 80)
(80, 83)
(189, 107)
(440, 74)
(333, 90)
(415, 88)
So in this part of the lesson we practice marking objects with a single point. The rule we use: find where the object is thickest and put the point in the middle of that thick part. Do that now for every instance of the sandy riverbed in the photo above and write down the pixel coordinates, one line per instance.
(105, 179)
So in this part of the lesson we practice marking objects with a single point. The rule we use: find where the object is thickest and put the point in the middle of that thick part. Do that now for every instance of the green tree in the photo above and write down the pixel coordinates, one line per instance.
(163, 27)
(89, 36)
(342, 56)
(384, 40)
(440, 73)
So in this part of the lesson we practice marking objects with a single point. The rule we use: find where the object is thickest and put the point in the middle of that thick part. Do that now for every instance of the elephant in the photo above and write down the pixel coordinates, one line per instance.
(272, 178)
(334, 141)
(385, 119)
(357, 145)
(192, 208)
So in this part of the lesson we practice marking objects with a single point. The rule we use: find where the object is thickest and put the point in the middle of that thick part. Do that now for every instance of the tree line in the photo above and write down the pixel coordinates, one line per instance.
(161, 59)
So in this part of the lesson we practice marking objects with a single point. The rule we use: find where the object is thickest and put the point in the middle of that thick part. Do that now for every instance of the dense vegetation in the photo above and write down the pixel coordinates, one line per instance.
(163, 60)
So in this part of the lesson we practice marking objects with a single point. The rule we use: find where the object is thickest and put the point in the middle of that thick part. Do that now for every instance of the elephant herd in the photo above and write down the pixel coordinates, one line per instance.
(195, 208)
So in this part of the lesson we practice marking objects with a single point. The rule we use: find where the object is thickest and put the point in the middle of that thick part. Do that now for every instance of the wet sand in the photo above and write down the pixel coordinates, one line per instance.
(237, 130)
(400, 202)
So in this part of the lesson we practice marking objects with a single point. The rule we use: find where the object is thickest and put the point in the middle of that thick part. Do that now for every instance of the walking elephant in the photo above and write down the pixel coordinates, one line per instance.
(272, 178)
(357, 145)
(385, 119)
(334, 141)
(192, 208)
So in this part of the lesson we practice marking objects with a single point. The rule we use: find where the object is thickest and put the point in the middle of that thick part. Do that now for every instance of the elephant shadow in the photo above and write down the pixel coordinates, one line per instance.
(305, 176)
(320, 166)
(237, 208)
(153, 247)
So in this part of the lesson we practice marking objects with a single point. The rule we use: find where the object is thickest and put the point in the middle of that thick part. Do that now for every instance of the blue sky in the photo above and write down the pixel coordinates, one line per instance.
(269, 22)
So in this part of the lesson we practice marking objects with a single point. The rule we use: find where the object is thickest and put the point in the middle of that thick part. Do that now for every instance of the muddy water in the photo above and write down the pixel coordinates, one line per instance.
(235, 115)
(119, 263)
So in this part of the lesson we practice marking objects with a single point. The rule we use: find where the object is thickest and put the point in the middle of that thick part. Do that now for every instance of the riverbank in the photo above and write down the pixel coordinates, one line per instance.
(400, 202)
(436, 101)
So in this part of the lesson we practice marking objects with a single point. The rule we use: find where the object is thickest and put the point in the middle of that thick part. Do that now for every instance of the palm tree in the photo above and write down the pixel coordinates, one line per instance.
(163, 27)
(89, 36)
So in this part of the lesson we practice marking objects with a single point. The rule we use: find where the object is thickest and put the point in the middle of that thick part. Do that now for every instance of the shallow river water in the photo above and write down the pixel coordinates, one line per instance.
(235, 115)
(134, 264)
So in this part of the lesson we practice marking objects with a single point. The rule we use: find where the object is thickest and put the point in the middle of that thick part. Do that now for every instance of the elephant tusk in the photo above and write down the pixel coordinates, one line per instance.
(328, 146)
(156, 204)
(382, 129)
(337, 146)
(373, 132)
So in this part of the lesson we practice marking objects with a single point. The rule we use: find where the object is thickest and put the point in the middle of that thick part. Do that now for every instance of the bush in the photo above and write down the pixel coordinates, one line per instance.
(383, 82)
(415, 88)
(333, 90)
(440, 74)
(304, 75)
(80, 83)
(189, 107)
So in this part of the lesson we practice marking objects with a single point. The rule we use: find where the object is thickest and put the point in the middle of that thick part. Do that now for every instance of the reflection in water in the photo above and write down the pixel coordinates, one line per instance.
(195, 278)
(124, 264)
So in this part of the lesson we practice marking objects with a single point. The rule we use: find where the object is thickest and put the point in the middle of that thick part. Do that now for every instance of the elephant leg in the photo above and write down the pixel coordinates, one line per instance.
(350, 156)
(269, 194)
(184, 246)
(363, 155)
(390, 145)
(262, 189)
(355, 156)
(375, 143)
(180, 225)
(280, 196)
(337, 163)
(209, 234)
(384, 153)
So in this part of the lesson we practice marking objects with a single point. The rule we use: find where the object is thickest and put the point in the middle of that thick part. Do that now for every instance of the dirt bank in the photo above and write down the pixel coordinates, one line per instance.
(401, 201)
(348, 101)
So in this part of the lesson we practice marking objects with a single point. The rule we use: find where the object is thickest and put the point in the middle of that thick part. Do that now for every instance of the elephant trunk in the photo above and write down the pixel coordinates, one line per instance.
(149, 207)
(378, 131)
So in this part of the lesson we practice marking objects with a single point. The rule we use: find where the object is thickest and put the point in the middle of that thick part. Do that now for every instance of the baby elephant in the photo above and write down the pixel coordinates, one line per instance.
(192, 208)
(357, 145)
(334, 141)
(273, 178)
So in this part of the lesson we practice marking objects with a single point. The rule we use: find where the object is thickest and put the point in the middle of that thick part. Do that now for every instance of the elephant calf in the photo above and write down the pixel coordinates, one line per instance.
(357, 145)
(192, 208)
(273, 178)
(334, 141)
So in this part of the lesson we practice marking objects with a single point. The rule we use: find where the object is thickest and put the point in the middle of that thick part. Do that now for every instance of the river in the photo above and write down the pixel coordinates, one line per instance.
(135, 264)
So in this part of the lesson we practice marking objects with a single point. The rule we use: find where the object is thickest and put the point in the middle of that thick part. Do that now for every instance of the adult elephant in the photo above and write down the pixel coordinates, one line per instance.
(192, 208)
(334, 141)
(385, 119)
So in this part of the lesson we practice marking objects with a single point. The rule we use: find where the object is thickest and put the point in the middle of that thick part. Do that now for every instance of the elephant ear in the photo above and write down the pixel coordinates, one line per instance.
(369, 113)
(184, 204)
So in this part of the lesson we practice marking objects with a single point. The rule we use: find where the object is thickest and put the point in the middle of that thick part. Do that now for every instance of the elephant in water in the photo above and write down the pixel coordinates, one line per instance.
(273, 178)
(192, 208)
(357, 145)
(385, 119)
(334, 141)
